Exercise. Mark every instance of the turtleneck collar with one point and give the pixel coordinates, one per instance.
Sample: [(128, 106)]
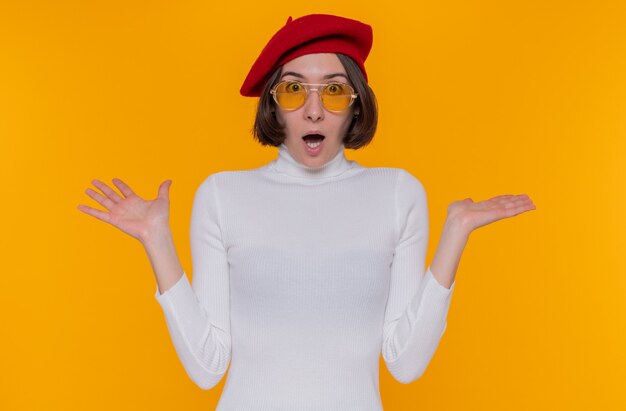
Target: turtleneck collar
[(285, 163)]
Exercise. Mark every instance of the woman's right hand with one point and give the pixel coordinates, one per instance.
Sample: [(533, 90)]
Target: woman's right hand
[(133, 215)]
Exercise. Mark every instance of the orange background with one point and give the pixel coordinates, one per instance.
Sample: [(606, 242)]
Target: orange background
[(477, 99)]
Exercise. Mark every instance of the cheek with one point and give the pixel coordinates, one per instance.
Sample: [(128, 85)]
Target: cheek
[(346, 122), (279, 118)]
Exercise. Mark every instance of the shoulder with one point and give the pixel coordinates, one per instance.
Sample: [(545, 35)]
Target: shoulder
[(222, 184), (410, 191), (224, 179), (406, 180), (399, 177)]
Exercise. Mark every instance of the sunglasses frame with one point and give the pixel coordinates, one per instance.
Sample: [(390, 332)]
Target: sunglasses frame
[(314, 86)]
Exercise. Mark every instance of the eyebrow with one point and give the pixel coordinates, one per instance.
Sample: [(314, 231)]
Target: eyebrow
[(291, 73)]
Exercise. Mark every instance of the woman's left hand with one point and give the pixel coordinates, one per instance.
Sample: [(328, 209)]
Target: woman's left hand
[(472, 215)]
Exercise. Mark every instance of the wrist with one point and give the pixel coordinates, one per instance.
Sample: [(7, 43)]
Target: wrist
[(457, 226), (157, 237)]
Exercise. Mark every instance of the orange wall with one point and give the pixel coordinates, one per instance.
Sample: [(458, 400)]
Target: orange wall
[(477, 99)]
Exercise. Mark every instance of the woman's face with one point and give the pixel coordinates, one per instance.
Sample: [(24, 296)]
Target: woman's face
[(312, 117)]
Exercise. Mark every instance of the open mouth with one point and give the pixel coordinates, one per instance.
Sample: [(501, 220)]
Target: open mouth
[(313, 140)]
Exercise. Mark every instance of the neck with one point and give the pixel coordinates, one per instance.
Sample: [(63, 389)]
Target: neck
[(287, 164)]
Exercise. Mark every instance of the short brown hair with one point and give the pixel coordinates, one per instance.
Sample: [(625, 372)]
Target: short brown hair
[(269, 132)]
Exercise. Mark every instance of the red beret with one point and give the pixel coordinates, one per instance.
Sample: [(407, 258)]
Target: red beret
[(314, 33)]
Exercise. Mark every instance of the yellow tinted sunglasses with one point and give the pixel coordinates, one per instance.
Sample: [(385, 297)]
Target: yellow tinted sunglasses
[(291, 95)]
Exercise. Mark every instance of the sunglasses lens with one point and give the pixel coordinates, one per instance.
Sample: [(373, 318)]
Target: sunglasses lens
[(337, 97), (290, 95)]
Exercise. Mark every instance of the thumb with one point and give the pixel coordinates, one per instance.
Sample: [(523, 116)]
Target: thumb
[(164, 189)]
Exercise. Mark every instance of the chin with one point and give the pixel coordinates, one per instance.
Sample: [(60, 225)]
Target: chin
[(316, 162)]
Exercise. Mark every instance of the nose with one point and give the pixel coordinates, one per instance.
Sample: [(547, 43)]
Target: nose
[(313, 109)]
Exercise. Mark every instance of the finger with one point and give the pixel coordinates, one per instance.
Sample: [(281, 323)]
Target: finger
[(164, 189), (510, 197), (99, 214), (107, 190), (529, 205), (523, 208), (102, 200), (519, 207), (501, 199), (123, 187), (526, 202), (523, 202)]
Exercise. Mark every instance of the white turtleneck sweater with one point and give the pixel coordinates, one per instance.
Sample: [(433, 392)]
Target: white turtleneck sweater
[(302, 278)]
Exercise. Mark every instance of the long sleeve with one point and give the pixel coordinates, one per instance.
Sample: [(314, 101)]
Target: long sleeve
[(198, 315), (417, 305)]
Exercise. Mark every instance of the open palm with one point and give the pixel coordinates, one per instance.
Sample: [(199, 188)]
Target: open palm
[(477, 214), (131, 213)]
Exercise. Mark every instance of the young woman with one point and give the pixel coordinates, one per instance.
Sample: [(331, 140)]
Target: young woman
[(307, 269)]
